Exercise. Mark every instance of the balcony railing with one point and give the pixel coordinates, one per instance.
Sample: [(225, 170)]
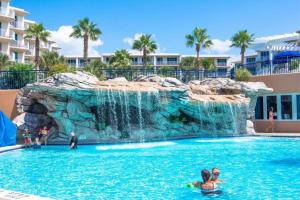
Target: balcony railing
[(4, 33), (16, 24), (18, 44), (6, 12), (272, 67)]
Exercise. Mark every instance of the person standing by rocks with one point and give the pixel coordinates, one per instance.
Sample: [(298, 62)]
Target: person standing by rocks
[(73, 141)]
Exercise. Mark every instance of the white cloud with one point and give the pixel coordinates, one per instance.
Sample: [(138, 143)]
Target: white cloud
[(219, 46), (130, 40), (274, 37), (72, 46)]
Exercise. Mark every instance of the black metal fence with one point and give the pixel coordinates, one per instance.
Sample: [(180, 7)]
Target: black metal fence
[(18, 79), (183, 75)]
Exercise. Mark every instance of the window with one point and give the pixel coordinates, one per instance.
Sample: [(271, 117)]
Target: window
[(16, 57), (72, 62), (159, 59), (298, 106), (272, 104), (259, 108), (286, 107), (16, 37), (264, 55), (250, 60), (16, 18), (222, 62), (172, 59)]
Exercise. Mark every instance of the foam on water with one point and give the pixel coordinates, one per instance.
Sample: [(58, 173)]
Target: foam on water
[(134, 145), (233, 140)]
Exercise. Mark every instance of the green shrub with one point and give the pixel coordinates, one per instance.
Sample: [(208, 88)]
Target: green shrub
[(59, 68), (242, 74), (95, 68), (19, 67), (294, 64)]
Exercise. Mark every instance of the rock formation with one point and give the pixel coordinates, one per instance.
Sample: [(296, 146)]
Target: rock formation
[(149, 108)]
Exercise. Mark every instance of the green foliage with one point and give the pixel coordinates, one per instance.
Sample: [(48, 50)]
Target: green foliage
[(51, 58), (187, 63), (59, 68), (95, 68), (146, 45), (242, 39), (86, 28), (120, 59), (208, 64), (3, 60), (200, 39), (294, 64), (242, 74), (37, 31), (19, 67)]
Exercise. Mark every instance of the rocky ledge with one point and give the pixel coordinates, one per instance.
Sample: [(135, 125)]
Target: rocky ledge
[(148, 108)]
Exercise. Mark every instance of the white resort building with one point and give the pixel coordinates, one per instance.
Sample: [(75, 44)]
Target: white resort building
[(12, 30), (155, 59)]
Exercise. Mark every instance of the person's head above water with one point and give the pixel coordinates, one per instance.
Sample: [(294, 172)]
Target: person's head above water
[(72, 133), (205, 175), (215, 173)]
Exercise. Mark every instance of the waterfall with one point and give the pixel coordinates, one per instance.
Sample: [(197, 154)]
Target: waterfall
[(140, 114), (127, 112)]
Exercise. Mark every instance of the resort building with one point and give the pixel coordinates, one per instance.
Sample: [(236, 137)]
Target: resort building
[(155, 59), (277, 64), (12, 30)]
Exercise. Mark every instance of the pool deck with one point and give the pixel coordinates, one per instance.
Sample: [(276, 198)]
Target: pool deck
[(278, 134), (10, 148), (11, 195)]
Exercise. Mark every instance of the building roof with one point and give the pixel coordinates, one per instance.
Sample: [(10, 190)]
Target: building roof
[(285, 42)]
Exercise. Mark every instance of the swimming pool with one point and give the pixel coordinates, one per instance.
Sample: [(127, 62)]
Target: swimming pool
[(252, 167)]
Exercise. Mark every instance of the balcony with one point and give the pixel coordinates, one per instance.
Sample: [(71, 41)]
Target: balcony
[(18, 45), (4, 36), (17, 25), (13, 59), (6, 14)]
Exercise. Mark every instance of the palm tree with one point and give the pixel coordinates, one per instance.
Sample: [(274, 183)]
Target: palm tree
[(146, 45), (38, 33), (243, 40), (199, 39), (88, 31), (121, 58), (51, 58), (3, 60)]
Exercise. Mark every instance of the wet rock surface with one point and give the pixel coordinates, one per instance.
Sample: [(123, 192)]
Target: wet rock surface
[(150, 108)]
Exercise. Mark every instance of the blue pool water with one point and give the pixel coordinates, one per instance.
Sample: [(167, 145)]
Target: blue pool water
[(253, 168)]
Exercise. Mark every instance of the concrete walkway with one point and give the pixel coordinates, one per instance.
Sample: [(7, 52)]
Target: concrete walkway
[(10, 148), (10, 195), (278, 134)]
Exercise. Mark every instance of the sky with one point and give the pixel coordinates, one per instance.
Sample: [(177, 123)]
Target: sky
[(122, 21)]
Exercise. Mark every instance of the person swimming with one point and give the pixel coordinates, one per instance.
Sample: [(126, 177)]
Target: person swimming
[(215, 175), (207, 186)]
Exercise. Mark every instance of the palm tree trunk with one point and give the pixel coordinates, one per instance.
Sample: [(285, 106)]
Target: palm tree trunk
[(37, 54), (242, 56), (85, 48), (144, 58), (197, 58)]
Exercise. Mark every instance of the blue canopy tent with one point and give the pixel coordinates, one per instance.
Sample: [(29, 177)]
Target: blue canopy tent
[(8, 131), (285, 57)]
